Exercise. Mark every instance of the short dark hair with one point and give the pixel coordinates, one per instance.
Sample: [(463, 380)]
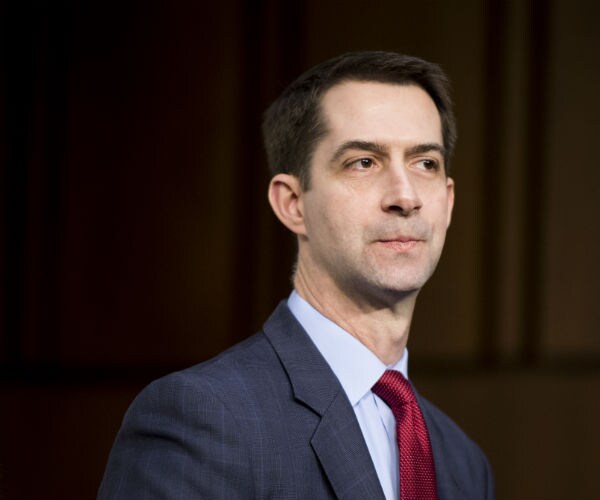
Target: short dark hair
[(293, 125)]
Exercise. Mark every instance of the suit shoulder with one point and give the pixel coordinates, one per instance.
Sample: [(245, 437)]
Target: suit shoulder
[(230, 374), (181, 439)]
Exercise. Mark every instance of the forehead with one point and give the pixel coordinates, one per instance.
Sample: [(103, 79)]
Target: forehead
[(380, 111)]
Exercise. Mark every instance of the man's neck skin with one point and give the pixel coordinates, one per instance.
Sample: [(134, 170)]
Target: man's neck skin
[(382, 329)]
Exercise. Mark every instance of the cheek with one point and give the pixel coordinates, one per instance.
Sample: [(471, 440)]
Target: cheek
[(323, 211), (439, 219), (442, 207), (319, 221), (337, 216)]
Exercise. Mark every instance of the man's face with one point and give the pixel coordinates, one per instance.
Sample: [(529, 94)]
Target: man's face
[(379, 202)]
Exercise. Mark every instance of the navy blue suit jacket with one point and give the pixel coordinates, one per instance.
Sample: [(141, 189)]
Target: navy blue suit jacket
[(267, 419)]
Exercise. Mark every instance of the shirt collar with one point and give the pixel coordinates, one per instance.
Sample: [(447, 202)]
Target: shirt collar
[(356, 367)]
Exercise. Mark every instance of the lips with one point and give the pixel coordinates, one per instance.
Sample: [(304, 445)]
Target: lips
[(389, 237), (400, 243), (400, 239)]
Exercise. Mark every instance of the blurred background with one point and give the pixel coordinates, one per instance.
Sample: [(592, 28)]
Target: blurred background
[(136, 239)]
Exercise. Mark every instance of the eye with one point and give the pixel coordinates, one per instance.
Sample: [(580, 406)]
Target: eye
[(363, 163), (428, 164)]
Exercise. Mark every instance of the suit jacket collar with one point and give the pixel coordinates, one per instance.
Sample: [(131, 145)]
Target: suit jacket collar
[(337, 441)]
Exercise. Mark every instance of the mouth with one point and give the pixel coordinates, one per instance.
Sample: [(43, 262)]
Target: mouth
[(400, 243)]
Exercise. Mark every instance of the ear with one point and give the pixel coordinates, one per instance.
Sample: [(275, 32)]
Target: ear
[(450, 198), (285, 197)]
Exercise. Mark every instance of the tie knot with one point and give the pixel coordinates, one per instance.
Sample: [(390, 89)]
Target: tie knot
[(394, 389)]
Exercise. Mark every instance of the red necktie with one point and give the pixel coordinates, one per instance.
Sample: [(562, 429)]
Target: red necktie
[(417, 472)]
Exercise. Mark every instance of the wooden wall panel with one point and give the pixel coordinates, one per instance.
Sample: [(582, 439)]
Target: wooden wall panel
[(537, 427), (136, 237), (56, 438), (571, 315)]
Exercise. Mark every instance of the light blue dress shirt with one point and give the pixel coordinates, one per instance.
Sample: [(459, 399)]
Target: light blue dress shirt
[(358, 369)]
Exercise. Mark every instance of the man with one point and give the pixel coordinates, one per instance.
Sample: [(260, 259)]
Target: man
[(304, 409)]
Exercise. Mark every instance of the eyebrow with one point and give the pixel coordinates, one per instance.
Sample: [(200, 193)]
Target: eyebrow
[(426, 148), (373, 147), (382, 150)]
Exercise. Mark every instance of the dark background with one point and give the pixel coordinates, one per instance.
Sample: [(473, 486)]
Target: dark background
[(135, 236)]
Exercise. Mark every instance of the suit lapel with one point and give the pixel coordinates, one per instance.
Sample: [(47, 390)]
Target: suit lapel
[(337, 441), (340, 446)]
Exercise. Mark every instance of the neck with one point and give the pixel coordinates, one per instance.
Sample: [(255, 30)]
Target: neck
[(381, 324)]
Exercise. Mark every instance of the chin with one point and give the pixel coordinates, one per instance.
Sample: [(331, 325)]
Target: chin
[(387, 292), (405, 281)]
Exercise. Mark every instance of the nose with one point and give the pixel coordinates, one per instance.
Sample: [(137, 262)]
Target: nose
[(400, 195)]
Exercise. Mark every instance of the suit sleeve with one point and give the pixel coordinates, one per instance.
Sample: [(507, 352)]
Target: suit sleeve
[(178, 441)]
